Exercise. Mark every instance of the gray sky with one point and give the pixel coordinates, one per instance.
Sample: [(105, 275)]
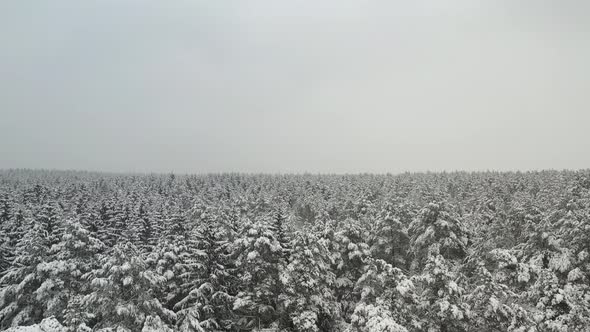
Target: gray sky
[(294, 86)]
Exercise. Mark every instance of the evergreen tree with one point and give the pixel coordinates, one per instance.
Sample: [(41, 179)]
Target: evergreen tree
[(308, 298), (144, 230), (176, 228), (351, 253), (207, 303), (123, 292), (22, 297), (390, 239), (259, 252), (441, 306), (170, 260), (493, 304), (388, 299), (63, 273), (279, 229), (437, 231), (439, 243)]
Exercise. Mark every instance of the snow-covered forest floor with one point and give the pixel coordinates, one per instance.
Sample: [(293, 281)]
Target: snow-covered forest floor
[(410, 252)]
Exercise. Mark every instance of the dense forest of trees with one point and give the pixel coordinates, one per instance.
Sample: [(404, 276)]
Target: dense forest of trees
[(410, 252)]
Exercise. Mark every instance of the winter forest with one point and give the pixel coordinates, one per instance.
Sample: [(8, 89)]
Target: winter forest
[(459, 251)]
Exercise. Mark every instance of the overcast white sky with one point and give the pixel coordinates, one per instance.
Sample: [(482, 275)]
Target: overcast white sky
[(294, 86)]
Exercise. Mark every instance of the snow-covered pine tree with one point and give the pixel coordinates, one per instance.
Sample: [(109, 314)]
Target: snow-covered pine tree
[(170, 259), (6, 245), (92, 222), (64, 273), (375, 318), (144, 228), (439, 242), (388, 299), (158, 216), (389, 240), (493, 304), (176, 227), (258, 255), (5, 208), (349, 265), (123, 292), (23, 285), (154, 323), (36, 195), (558, 266), (307, 280), (437, 231), (121, 223), (441, 306), (11, 232), (6, 253), (207, 301), (130, 231), (279, 227), (176, 256), (106, 221)]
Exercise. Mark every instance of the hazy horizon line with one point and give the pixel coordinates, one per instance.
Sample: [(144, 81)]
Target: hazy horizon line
[(146, 173)]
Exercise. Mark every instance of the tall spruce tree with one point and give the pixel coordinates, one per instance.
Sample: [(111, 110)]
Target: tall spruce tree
[(24, 283), (123, 292)]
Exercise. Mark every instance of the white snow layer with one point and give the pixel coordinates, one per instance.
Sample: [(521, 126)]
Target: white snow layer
[(47, 325)]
